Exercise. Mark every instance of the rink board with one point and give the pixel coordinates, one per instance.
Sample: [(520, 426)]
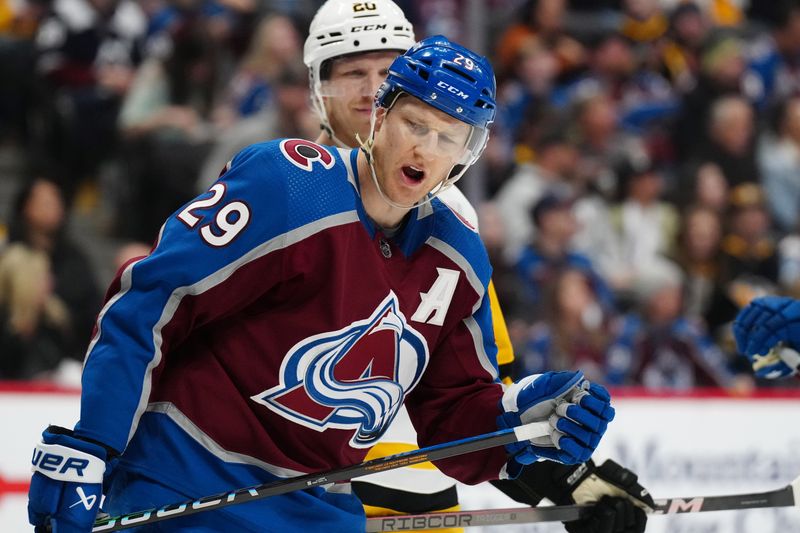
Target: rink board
[(700, 444)]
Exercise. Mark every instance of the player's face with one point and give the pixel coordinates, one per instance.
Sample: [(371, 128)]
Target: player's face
[(349, 92), (415, 148)]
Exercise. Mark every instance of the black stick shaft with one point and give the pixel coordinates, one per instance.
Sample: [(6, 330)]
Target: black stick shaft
[(700, 504)]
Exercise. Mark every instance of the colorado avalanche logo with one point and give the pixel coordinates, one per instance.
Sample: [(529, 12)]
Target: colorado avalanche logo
[(354, 378)]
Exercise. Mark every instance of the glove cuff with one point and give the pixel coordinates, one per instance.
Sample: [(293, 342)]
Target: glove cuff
[(556, 481), (67, 437), (62, 457)]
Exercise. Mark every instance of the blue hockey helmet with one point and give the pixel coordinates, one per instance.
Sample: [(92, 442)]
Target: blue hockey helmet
[(451, 78)]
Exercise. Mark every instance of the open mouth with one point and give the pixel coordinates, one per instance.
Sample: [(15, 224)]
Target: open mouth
[(413, 174)]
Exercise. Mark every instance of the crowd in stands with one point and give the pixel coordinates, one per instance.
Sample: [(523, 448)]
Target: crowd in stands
[(641, 184)]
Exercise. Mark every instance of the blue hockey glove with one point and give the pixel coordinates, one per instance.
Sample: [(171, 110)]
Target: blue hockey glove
[(578, 412), (764, 330), (67, 482)]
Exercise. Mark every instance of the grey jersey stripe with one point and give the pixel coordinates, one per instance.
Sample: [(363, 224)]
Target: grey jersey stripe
[(344, 153), (475, 282), (477, 339), (189, 427), (463, 264)]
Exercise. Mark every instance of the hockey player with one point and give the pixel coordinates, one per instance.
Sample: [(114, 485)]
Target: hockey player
[(767, 331), (348, 51), (283, 318)]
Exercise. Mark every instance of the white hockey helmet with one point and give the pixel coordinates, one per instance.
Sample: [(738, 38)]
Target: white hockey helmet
[(343, 27)]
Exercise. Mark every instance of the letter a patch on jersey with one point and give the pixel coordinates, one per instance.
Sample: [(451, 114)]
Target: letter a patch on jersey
[(354, 378), (435, 303)]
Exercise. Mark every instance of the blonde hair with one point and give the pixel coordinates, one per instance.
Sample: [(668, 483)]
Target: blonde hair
[(25, 291)]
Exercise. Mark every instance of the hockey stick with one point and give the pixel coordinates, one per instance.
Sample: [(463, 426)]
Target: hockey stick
[(786, 497), (307, 481)]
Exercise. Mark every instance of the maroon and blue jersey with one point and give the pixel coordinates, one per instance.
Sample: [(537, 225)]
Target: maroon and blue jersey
[(274, 330)]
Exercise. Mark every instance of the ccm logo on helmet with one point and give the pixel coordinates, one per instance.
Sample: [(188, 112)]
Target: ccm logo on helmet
[(453, 90), (368, 27)]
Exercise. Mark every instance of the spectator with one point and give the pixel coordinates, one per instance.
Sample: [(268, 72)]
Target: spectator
[(748, 248), (35, 327), (527, 90), (88, 51), (657, 347), (722, 73), (506, 281), (774, 54), (219, 18), (789, 270), (543, 19), (287, 115), (550, 253), (274, 49), (643, 21), (19, 22), (642, 97), (573, 332), (779, 164), (602, 145), (679, 53), (555, 163), (166, 122), (644, 223), (39, 221), (698, 254), (730, 145), (749, 263), (596, 237), (710, 189)]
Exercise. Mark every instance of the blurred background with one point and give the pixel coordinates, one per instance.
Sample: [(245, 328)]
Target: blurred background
[(641, 184)]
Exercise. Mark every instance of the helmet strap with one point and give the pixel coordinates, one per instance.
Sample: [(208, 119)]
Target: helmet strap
[(324, 123)]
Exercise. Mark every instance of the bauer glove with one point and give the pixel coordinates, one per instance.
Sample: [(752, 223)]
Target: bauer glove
[(67, 482), (578, 413)]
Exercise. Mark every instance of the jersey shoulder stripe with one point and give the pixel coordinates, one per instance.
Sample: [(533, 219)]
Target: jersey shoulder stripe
[(450, 227)]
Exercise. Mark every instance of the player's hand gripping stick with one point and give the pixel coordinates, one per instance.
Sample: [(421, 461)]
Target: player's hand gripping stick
[(578, 413)]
